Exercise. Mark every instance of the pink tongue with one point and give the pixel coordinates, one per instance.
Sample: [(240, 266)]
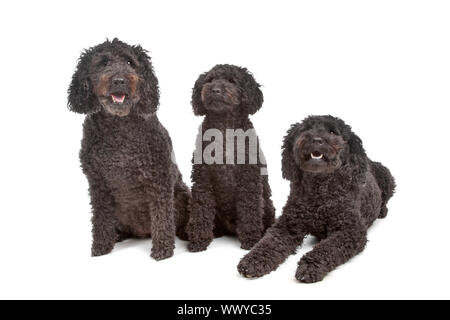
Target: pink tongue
[(118, 98)]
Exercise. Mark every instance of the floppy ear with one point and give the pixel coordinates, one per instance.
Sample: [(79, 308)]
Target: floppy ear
[(289, 168), (148, 85), (355, 145), (252, 97), (357, 154), (80, 96), (196, 102), (356, 151)]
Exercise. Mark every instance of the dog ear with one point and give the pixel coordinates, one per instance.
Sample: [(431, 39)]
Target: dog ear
[(148, 85), (196, 101), (80, 96), (357, 154), (356, 151), (355, 145), (289, 168), (252, 96)]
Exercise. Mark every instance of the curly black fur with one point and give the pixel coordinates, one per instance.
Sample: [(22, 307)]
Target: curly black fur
[(336, 194), (228, 198), (135, 186)]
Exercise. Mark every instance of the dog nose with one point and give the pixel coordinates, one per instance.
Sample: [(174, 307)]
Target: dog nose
[(317, 140), (216, 90), (118, 81)]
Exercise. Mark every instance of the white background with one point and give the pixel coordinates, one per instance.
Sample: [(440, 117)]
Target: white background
[(383, 66)]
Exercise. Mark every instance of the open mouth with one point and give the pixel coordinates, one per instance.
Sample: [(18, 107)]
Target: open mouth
[(118, 98), (316, 155)]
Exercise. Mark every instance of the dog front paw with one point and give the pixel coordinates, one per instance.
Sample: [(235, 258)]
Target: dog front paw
[(198, 246), (161, 253), (252, 266), (310, 272), (248, 243), (101, 249)]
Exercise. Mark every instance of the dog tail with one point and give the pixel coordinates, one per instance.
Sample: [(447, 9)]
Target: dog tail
[(386, 182), (182, 204)]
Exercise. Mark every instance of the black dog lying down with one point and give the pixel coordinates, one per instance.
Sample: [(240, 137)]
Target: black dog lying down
[(337, 192), (136, 189)]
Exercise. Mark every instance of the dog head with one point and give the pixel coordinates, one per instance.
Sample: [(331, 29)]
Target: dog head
[(224, 89), (115, 78), (320, 145)]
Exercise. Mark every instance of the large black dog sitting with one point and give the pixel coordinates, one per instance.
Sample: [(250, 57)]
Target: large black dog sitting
[(336, 194), (136, 189), (228, 197)]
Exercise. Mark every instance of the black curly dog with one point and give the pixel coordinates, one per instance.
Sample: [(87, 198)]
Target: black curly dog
[(229, 198), (136, 189), (336, 194)]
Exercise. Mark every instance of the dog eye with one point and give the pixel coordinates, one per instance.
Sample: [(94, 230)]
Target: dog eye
[(333, 132), (130, 62), (231, 80)]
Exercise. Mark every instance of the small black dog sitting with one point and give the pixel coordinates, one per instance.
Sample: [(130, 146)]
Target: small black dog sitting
[(336, 194), (136, 188), (228, 197)]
